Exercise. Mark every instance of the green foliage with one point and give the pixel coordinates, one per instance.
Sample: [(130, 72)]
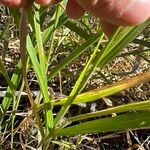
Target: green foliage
[(41, 45), (132, 121)]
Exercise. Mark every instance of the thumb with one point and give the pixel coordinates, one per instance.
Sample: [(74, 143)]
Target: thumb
[(13, 3), (47, 2), (74, 11)]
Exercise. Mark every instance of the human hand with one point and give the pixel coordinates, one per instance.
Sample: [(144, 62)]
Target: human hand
[(24, 3), (111, 12)]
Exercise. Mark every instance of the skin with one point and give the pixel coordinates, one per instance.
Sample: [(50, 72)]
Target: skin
[(23, 3), (110, 12)]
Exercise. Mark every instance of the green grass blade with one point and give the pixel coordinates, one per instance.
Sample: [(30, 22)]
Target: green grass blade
[(74, 54), (42, 81), (119, 123), (121, 41), (47, 33), (77, 29), (38, 34), (105, 53), (79, 84), (56, 16), (108, 90), (144, 105), (6, 76), (16, 78)]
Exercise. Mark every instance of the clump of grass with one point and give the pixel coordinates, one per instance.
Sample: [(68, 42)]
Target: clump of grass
[(39, 49)]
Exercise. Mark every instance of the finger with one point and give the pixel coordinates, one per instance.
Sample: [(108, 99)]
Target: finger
[(120, 12), (12, 3), (47, 2), (108, 28), (74, 11), (124, 12), (17, 3), (107, 10), (43, 2), (137, 12), (87, 4)]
